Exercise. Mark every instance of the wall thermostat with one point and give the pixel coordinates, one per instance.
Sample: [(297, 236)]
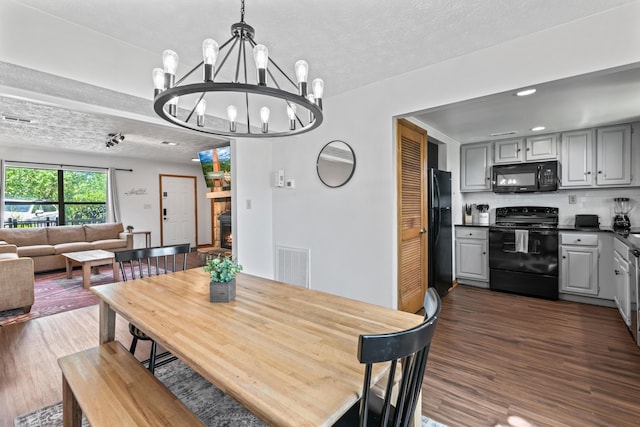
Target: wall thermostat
[(278, 178)]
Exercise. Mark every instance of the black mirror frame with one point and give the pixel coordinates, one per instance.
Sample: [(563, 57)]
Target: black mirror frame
[(353, 168)]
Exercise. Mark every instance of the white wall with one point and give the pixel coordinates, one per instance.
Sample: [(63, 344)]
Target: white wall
[(145, 176), (351, 231), (252, 207)]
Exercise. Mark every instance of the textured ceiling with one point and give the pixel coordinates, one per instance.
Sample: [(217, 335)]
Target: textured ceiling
[(347, 43)]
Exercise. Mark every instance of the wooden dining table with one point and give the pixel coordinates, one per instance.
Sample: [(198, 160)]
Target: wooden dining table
[(286, 353)]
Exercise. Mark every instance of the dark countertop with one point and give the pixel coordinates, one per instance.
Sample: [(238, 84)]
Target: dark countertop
[(632, 238)]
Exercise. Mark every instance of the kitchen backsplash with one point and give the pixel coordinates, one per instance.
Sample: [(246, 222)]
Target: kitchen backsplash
[(593, 201)]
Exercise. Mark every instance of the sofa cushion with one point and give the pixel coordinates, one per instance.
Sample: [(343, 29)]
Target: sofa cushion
[(36, 250), (109, 244), (95, 232), (64, 248), (65, 234), (9, 256), (24, 236)]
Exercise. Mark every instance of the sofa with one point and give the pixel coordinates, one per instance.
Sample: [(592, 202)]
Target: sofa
[(16, 280), (45, 245)]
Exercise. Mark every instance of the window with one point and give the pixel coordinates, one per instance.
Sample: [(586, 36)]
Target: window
[(36, 197)]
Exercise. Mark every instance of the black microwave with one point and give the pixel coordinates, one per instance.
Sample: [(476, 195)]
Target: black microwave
[(525, 177)]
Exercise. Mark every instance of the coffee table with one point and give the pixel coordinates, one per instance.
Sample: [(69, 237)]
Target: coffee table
[(89, 259)]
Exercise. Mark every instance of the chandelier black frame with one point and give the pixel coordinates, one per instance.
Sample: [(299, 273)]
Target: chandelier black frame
[(114, 139), (168, 91)]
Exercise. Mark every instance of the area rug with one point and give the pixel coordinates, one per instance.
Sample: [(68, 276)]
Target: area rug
[(54, 293), (211, 405)]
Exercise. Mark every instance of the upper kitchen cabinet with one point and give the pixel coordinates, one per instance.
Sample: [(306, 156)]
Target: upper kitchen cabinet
[(508, 151), (576, 158), (597, 159), (542, 147), (613, 160), (475, 167)]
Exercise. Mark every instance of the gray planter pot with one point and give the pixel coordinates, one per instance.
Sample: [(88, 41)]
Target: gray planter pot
[(222, 292)]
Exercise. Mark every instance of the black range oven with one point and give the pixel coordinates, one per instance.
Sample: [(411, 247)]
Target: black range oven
[(523, 251)]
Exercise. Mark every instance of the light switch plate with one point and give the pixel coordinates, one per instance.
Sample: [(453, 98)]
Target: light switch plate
[(572, 199)]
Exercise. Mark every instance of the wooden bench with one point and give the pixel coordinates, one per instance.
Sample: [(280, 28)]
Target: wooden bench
[(112, 388)]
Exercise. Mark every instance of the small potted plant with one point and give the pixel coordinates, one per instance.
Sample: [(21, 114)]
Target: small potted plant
[(222, 272), (129, 228)]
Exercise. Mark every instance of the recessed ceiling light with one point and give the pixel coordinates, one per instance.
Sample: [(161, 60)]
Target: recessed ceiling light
[(538, 128), (526, 92), (508, 132), (169, 143)]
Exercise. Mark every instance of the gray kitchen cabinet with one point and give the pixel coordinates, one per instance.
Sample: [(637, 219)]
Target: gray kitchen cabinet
[(541, 147), (475, 167), (472, 256), (613, 159), (597, 159), (508, 151), (576, 157), (622, 280), (579, 264)]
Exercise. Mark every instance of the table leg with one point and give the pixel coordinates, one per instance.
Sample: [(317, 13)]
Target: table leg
[(69, 268), (116, 271), (86, 275), (107, 323), (71, 412)]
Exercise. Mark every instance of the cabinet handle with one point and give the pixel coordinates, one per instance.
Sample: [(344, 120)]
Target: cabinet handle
[(564, 257), (599, 171), (528, 149), (617, 272), (484, 253), (589, 173), (519, 150), (579, 240)]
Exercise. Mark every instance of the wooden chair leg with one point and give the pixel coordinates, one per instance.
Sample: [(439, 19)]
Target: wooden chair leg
[(152, 358)]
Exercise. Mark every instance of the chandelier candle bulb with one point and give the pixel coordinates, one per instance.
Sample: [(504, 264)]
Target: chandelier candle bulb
[(232, 114), (302, 71), (200, 110), (210, 51), (158, 81), (264, 116), (318, 91), (173, 105), (261, 56), (170, 64), (291, 112)]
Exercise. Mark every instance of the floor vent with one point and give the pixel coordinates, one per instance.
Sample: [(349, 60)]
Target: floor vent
[(292, 266)]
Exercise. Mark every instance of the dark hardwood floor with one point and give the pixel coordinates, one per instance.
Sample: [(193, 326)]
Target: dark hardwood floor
[(496, 360), (506, 360)]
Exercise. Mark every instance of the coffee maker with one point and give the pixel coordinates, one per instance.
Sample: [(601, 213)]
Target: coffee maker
[(621, 208)]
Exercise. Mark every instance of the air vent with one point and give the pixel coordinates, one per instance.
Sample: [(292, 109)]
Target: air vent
[(292, 266), (509, 132), (15, 119)]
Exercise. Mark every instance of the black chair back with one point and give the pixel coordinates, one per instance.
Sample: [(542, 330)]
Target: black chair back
[(164, 257), (410, 349)]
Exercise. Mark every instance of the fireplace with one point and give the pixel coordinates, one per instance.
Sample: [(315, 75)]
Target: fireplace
[(226, 239)]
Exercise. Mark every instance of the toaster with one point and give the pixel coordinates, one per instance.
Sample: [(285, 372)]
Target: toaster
[(587, 221)]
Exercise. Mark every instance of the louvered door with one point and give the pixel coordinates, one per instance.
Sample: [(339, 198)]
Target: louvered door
[(412, 234)]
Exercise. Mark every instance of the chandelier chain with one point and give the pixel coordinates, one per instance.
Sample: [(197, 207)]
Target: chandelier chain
[(242, 11)]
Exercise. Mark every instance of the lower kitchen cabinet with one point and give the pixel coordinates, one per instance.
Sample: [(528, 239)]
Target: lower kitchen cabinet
[(472, 256), (579, 264)]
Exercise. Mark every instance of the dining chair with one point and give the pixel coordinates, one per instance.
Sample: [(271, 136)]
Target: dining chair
[(138, 263), (409, 349)]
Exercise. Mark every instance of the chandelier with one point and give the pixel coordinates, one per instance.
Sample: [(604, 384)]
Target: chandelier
[(249, 104)]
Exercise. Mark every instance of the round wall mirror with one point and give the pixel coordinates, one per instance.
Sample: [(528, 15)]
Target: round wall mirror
[(336, 163)]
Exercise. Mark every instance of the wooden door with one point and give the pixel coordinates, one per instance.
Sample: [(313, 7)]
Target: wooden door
[(412, 216), (178, 210)]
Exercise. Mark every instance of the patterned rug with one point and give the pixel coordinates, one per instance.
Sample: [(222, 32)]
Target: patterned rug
[(211, 405), (54, 293)]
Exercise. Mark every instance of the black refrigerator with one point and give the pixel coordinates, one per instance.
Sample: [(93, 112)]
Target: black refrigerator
[(439, 233)]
